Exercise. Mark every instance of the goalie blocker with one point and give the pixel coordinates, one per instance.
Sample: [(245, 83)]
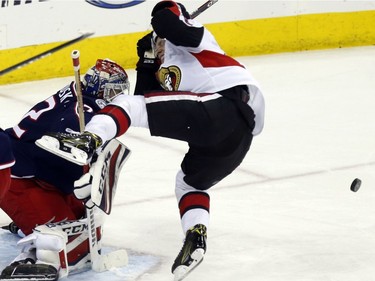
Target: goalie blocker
[(100, 183)]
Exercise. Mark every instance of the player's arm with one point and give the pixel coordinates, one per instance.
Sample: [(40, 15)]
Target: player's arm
[(167, 24), (146, 67)]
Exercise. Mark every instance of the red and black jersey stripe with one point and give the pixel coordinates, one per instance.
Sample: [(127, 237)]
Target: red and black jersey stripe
[(119, 115), (194, 200)]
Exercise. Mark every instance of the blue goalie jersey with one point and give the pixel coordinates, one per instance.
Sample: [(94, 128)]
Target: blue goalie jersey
[(6, 153), (58, 113)]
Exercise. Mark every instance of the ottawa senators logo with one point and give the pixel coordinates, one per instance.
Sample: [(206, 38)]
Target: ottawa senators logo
[(169, 78)]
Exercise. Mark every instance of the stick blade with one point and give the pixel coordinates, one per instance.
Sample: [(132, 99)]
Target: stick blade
[(118, 258)]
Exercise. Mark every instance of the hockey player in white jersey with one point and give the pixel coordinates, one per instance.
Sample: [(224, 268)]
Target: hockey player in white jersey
[(190, 91)]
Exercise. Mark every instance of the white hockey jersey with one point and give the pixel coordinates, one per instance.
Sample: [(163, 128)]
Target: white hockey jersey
[(206, 69)]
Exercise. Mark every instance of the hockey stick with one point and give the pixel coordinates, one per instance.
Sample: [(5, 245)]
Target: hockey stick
[(117, 258), (202, 8), (77, 75), (44, 54), (93, 240)]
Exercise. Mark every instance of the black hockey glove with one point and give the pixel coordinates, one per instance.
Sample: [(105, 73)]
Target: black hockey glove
[(170, 5), (147, 60)]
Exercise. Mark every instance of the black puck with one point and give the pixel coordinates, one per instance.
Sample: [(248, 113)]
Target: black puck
[(356, 184)]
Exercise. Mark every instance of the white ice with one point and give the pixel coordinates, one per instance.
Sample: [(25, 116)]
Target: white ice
[(287, 212)]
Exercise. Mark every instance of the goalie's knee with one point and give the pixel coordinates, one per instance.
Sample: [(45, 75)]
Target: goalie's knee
[(50, 244)]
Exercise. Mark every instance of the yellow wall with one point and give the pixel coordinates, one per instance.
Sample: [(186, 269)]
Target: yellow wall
[(242, 38), (296, 33)]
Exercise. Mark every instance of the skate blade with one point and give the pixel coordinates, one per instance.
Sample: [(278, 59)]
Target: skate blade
[(182, 271), (118, 258), (52, 145)]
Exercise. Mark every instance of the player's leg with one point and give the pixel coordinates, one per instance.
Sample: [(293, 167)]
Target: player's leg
[(30, 203), (203, 167), (194, 208), (5, 182)]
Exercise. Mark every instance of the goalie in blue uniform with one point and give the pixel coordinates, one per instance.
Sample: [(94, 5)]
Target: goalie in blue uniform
[(42, 185)]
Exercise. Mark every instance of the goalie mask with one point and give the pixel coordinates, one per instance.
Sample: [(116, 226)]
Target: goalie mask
[(105, 80)]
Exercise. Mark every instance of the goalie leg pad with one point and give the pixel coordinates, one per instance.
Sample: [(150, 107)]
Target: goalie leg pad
[(77, 247), (50, 247), (43, 256), (63, 246)]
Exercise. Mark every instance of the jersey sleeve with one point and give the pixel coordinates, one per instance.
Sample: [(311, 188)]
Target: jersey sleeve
[(146, 81), (169, 24), (58, 113)]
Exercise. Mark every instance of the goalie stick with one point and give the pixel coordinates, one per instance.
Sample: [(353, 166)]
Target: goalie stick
[(77, 76), (44, 54), (117, 258)]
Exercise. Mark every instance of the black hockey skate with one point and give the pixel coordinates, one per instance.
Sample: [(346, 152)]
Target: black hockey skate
[(29, 272), (76, 148), (25, 268), (12, 227), (192, 252)]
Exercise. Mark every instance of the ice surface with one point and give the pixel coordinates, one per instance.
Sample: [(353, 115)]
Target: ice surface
[(287, 213)]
